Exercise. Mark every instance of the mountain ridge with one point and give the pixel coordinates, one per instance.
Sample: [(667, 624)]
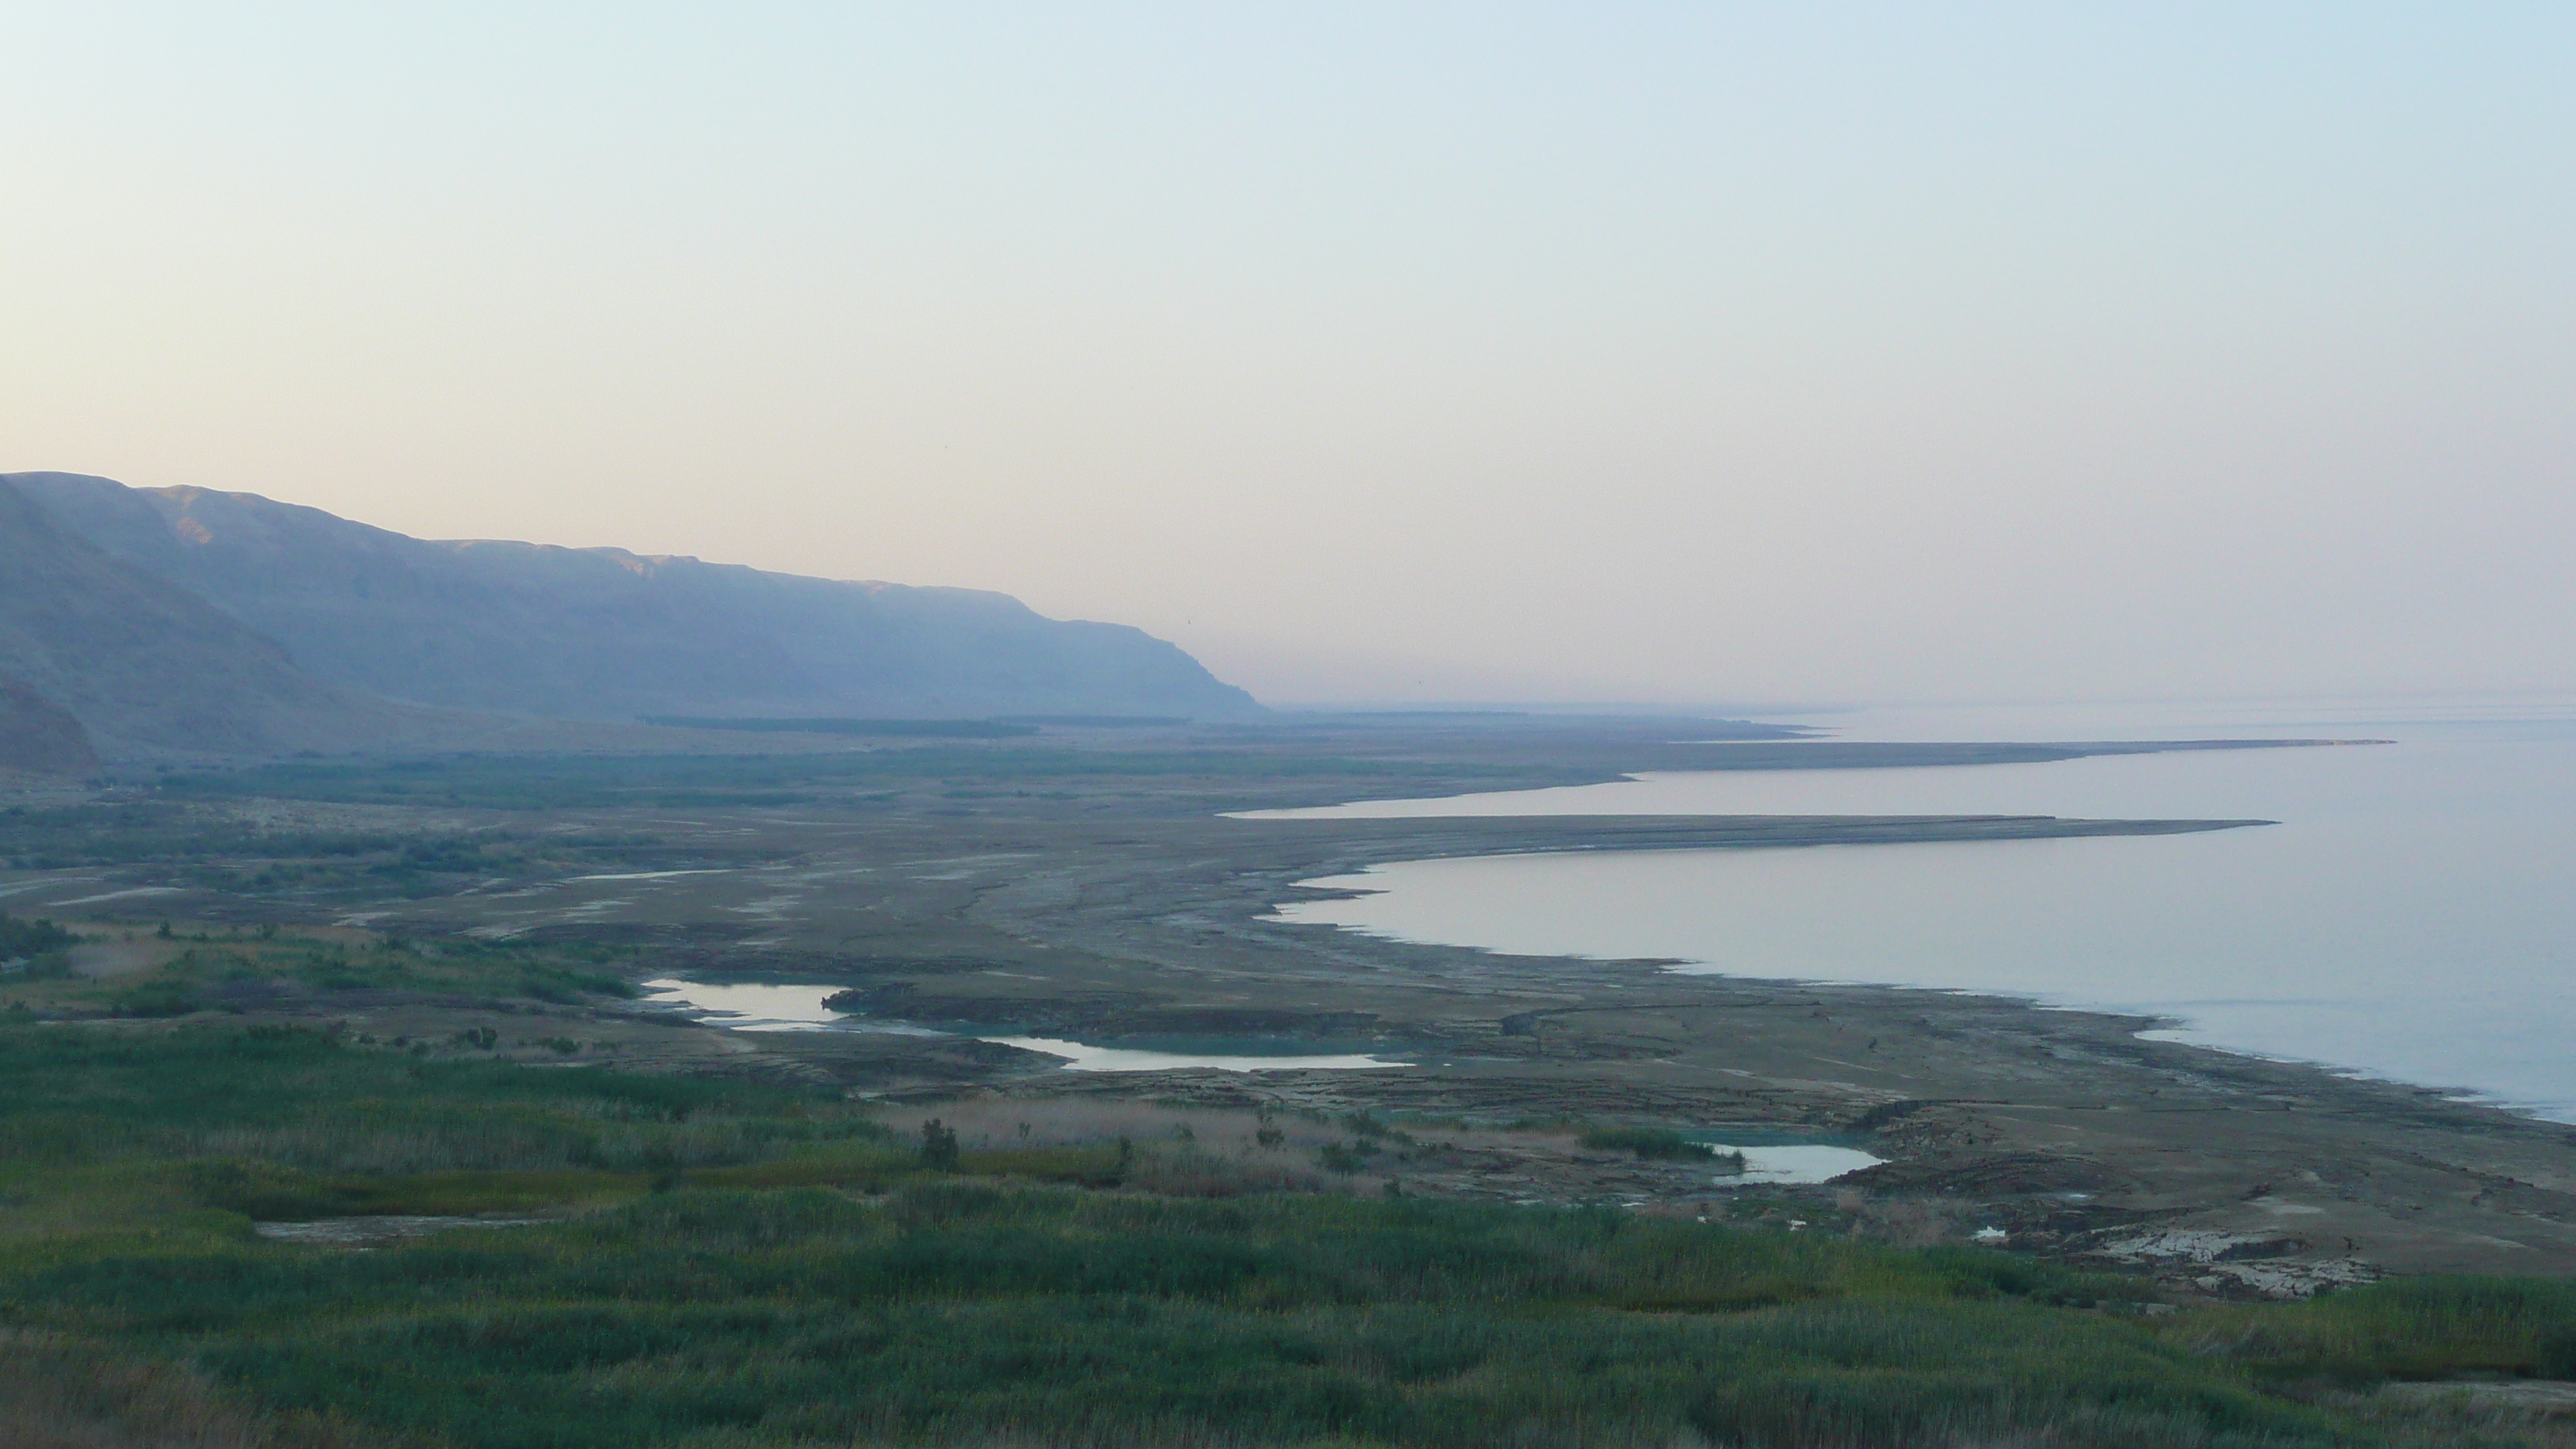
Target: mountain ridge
[(600, 634), (146, 666)]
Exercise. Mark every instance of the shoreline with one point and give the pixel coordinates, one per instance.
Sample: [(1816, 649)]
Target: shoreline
[(1095, 907), (1313, 892)]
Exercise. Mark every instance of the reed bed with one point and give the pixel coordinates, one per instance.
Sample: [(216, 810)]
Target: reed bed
[(733, 1266)]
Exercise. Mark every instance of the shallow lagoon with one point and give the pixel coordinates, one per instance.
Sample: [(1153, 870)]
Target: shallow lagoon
[(772, 1006), (1792, 1163), (2413, 915), (765, 1006), (1082, 1057)]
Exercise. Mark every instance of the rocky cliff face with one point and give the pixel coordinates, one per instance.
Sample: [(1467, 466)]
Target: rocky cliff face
[(601, 633)]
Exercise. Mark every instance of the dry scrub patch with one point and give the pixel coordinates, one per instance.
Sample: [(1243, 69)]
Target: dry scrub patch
[(60, 1393)]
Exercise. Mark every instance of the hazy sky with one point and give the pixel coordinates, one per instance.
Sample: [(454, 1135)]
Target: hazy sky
[(1652, 352)]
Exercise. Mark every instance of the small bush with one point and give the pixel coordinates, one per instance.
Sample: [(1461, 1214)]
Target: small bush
[(1345, 1157), (938, 1146)]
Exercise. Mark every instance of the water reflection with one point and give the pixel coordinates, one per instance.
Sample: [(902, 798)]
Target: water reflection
[(780, 1006), (766, 1006), (2414, 916), (1080, 1057), (1811, 1163)]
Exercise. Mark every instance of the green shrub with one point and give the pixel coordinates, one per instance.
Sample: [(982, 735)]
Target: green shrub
[(1345, 1157), (938, 1146), (51, 966), (2409, 1328), (154, 999), (799, 1279), (21, 939), (1647, 1142)]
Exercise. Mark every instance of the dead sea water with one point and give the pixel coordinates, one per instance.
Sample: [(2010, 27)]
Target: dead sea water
[(2413, 914)]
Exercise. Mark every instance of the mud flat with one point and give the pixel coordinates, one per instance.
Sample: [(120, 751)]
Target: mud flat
[(1114, 908)]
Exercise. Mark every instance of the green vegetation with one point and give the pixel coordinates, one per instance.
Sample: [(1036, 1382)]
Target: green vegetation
[(23, 939), (518, 782), (137, 832), (1654, 1142), (233, 969), (208, 845), (732, 1264), (2424, 1328), (550, 973)]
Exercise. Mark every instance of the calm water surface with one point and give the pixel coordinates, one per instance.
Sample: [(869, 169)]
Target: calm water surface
[(2412, 916), (1800, 1163), (1083, 1057), (776, 1006), (766, 1006)]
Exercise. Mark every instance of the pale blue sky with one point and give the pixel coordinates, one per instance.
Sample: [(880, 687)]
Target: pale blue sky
[(1650, 352)]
